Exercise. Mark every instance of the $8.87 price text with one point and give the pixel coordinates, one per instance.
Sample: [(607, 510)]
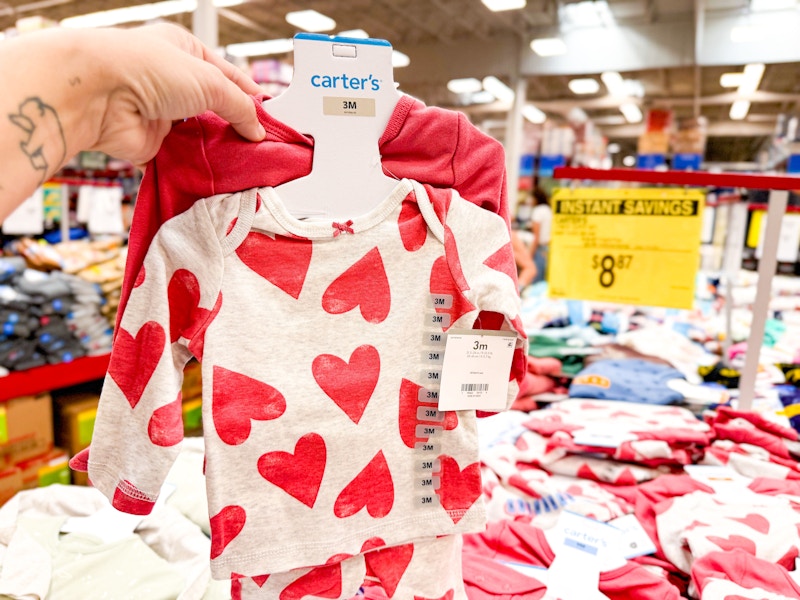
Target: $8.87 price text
[(608, 264)]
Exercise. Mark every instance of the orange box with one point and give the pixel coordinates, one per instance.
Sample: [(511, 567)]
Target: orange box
[(10, 483), (26, 428), (74, 417), (48, 468)]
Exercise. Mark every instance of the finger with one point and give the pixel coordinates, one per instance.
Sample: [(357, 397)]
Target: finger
[(231, 103), (232, 72)]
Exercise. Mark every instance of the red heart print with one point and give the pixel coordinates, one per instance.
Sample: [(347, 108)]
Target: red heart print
[(503, 261), (134, 359), (139, 278), (460, 489), (372, 488), (694, 524), (320, 582), (299, 474), (185, 313), (732, 542), (412, 225), (754, 521), (260, 579), (197, 341), (447, 596), (283, 261), (442, 282), (237, 399), (450, 420), (389, 565), (454, 260), (349, 384), (365, 285), (166, 424), (407, 417), (225, 526)]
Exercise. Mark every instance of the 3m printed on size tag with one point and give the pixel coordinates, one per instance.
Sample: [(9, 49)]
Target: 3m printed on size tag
[(348, 107), (475, 370)]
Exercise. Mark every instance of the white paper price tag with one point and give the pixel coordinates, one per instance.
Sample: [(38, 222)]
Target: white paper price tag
[(28, 218), (635, 541), (475, 370)]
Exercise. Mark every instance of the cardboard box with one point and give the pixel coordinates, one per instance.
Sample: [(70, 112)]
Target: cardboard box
[(74, 420), (79, 478), (10, 483), (46, 469), (26, 428)]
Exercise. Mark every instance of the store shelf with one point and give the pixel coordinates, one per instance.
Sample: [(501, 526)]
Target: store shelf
[(51, 377), (698, 178)]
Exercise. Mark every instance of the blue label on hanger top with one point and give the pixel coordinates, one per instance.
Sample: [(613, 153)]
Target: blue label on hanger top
[(321, 37)]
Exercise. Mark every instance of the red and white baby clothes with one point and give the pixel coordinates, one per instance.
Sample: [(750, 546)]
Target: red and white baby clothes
[(311, 337)]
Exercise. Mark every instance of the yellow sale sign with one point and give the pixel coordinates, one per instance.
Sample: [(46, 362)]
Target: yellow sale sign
[(633, 246)]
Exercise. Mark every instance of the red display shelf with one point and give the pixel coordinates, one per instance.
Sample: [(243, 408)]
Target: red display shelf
[(698, 178), (52, 377)]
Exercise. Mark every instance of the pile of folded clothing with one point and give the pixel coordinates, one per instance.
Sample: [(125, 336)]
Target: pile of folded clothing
[(37, 316)]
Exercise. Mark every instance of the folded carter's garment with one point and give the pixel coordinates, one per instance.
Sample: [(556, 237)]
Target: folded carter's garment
[(629, 379), (740, 575), (694, 525), (747, 427), (626, 431), (517, 542)]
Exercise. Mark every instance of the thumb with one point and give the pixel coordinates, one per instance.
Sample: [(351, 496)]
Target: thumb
[(226, 99)]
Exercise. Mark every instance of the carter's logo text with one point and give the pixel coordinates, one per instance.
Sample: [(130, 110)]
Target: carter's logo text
[(346, 82)]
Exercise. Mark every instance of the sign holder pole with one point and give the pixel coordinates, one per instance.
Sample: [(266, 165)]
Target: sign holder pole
[(780, 186)]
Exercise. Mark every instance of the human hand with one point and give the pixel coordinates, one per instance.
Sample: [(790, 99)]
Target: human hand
[(162, 73)]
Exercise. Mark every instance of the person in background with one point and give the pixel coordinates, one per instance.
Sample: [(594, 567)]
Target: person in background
[(113, 90), (526, 269), (541, 223)]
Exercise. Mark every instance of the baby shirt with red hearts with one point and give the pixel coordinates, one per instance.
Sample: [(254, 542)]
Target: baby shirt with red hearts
[(312, 338)]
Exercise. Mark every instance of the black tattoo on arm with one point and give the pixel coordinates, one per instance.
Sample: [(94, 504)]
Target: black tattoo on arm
[(45, 144), (75, 81)]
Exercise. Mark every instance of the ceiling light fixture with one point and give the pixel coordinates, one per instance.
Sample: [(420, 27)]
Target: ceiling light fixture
[(310, 20), (263, 48), (467, 85), (533, 114), (549, 46), (501, 5), (358, 34), (739, 110), (588, 13), (614, 83), (481, 97), (584, 86), (751, 78), (399, 59), (731, 80), (139, 13), (498, 89), (631, 112)]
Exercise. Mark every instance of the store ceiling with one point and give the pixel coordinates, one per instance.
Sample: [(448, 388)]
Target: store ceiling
[(662, 43)]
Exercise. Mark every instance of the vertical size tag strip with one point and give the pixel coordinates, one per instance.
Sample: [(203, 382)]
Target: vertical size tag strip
[(430, 420)]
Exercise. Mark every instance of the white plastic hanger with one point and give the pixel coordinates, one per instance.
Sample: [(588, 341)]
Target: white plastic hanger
[(342, 94)]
